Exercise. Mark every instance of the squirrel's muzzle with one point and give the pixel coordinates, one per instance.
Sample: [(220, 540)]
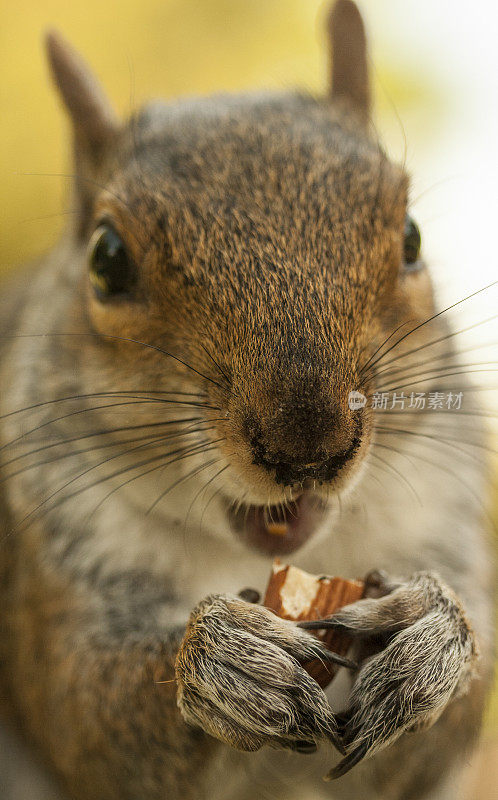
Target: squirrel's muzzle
[(303, 434)]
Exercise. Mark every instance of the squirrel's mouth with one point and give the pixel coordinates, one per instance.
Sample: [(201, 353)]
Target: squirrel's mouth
[(278, 529)]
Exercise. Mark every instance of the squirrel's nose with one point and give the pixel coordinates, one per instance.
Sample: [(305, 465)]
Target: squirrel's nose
[(298, 443), (288, 471)]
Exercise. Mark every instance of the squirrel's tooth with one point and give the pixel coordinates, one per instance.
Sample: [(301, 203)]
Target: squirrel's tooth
[(277, 528)]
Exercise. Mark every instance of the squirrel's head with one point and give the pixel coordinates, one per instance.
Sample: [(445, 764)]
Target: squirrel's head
[(263, 241)]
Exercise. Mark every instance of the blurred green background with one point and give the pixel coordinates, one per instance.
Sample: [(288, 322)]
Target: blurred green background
[(150, 48)]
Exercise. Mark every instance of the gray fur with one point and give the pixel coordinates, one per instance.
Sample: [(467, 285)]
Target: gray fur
[(267, 231)]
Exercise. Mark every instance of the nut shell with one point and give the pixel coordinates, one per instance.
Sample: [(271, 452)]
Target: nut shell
[(296, 595)]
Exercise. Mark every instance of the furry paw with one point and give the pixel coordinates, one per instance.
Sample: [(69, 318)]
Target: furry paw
[(240, 678), (428, 655)]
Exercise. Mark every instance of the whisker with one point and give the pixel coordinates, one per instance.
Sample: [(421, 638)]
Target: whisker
[(399, 475), (435, 377), (451, 360), (154, 347), (137, 477), (183, 451), (430, 319), (216, 493), (440, 440), (101, 432), (179, 481), (247, 513), (41, 217), (444, 468), (97, 408), (403, 372), (237, 503), (365, 365), (442, 419), (452, 411), (77, 177), (150, 470), (92, 182), (436, 185), (466, 436), (202, 490), (221, 371), (438, 341), (154, 441), (132, 393)]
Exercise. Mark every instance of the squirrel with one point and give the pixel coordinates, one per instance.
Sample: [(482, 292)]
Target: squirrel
[(175, 380)]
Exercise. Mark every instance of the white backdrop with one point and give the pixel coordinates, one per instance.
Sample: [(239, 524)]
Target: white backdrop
[(452, 148)]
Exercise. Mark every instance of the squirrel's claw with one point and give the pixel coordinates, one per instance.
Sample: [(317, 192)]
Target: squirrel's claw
[(351, 760), (304, 747), (319, 624), (341, 661)]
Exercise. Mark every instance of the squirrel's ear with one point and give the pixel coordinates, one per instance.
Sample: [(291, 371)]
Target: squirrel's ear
[(92, 115), (349, 67), (95, 125)]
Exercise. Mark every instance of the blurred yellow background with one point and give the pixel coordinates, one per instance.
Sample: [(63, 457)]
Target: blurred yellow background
[(140, 50), (149, 48)]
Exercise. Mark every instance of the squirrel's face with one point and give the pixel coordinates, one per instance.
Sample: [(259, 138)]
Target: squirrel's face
[(262, 242)]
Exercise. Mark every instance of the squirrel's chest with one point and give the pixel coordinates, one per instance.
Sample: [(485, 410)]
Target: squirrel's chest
[(200, 560), (221, 563)]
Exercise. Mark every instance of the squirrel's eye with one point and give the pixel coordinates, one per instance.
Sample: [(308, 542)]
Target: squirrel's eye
[(111, 270), (412, 243)]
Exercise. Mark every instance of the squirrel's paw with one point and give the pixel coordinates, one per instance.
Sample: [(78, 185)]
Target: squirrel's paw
[(240, 679), (428, 655)]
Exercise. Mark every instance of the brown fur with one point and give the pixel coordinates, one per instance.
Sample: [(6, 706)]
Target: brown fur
[(267, 236)]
